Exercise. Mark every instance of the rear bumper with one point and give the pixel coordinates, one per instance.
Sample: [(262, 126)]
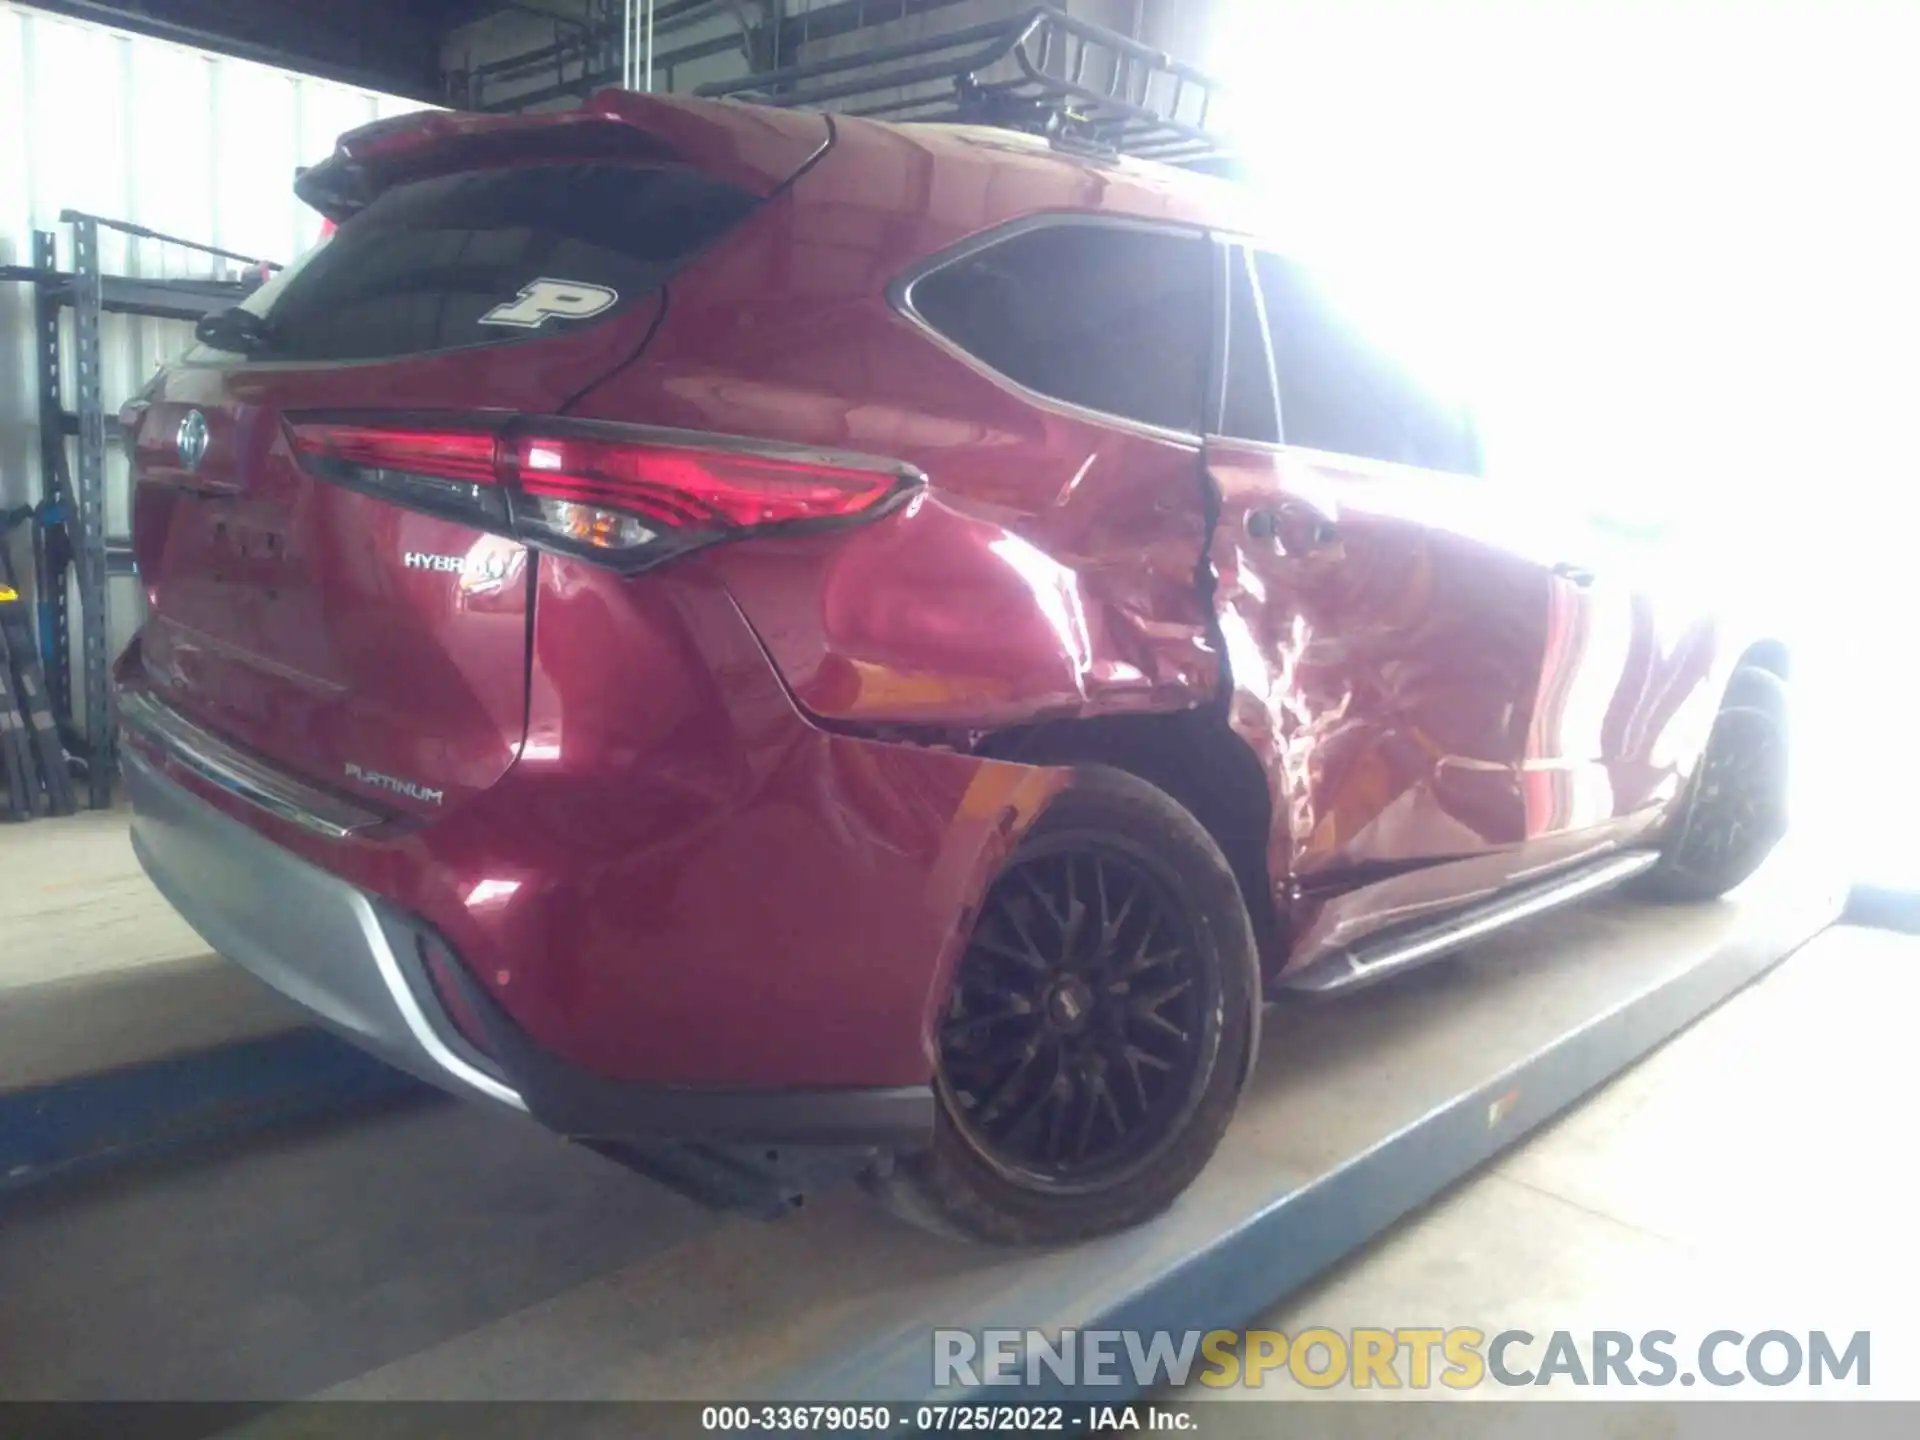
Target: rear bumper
[(679, 882), (355, 963)]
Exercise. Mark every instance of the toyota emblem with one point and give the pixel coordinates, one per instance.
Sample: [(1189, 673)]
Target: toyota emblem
[(191, 440)]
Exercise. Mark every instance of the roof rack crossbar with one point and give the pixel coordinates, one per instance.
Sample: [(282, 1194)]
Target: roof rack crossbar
[(996, 39), (1045, 72)]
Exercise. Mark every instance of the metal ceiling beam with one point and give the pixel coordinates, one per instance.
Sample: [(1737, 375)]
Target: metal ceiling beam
[(360, 42), (667, 17), (829, 22), (774, 41), (593, 80)]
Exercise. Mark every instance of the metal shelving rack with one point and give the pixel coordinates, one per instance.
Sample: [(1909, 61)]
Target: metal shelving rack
[(71, 510)]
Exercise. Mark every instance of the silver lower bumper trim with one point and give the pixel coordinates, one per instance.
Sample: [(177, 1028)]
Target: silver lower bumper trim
[(318, 940)]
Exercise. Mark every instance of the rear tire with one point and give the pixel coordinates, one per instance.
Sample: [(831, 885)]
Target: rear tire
[(1102, 1023), (1736, 808)]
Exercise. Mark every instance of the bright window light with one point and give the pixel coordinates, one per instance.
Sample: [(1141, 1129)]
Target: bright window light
[(1675, 251)]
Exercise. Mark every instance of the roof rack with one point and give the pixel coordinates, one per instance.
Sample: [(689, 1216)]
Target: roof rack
[(1082, 86)]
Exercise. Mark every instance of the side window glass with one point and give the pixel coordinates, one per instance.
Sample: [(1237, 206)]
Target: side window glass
[(1250, 411), (1109, 318), (1340, 391)]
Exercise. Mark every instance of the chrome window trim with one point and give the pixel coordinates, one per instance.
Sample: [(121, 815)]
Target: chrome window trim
[(219, 763), (900, 296), (1250, 249)]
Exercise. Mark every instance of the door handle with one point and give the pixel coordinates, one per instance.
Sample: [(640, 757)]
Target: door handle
[(1295, 529), (1574, 574)]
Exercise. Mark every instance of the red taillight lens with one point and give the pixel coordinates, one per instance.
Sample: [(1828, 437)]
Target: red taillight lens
[(684, 487), (624, 495), (442, 454)]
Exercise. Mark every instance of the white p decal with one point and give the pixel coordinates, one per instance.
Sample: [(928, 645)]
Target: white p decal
[(545, 300)]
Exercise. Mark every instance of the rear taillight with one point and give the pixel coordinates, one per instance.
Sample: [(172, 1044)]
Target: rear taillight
[(628, 496)]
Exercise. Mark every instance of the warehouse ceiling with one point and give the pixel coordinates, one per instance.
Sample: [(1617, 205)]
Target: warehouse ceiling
[(389, 45), (431, 49)]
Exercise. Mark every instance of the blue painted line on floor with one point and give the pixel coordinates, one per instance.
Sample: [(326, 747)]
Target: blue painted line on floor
[(1885, 907), (92, 1121)]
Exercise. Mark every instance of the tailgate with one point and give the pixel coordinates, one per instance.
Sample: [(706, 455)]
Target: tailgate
[(372, 635)]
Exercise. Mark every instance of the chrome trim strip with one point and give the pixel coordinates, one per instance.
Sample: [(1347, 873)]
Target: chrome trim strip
[(238, 773), (1448, 935), (408, 1004)]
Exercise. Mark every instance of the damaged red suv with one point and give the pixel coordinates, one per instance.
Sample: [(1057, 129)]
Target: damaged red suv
[(733, 625)]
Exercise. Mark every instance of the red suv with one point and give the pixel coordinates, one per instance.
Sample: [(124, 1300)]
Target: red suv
[(737, 624)]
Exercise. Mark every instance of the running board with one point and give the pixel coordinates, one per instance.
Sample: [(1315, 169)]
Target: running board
[(1374, 960)]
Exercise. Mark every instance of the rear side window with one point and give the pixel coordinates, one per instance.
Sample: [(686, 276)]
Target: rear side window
[(1101, 316), (484, 256), (1342, 392)]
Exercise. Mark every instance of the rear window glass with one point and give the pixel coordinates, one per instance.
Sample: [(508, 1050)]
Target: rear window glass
[(485, 256), (1107, 317)]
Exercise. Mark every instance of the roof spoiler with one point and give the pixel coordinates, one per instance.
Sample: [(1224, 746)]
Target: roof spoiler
[(759, 151)]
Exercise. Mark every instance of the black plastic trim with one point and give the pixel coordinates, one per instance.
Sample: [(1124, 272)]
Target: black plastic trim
[(584, 1106)]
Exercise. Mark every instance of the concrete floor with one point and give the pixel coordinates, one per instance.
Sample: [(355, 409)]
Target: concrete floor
[(1748, 1176), (76, 903), (96, 970), (283, 1267), (441, 1245), (1754, 1174)]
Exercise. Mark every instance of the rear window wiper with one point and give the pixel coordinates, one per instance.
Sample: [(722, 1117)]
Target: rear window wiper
[(235, 329)]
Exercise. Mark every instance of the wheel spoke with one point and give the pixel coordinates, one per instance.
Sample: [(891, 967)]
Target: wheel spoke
[(1007, 952), (1061, 1094), (1082, 967), (1035, 958), (1076, 911), (1037, 1104), (1110, 931), (1095, 1088), (1154, 1020), (1135, 1058), (962, 1029), (991, 1059), (1150, 1004), (1112, 1106), (1005, 1090), (1039, 893), (1142, 962)]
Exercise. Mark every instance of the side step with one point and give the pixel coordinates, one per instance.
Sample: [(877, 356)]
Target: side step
[(1376, 958)]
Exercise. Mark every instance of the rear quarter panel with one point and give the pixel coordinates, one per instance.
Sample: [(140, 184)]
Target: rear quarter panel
[(1050, 569)]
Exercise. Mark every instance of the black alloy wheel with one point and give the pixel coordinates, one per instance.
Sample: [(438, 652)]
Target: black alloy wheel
[(1737, 802), (1100, 1026), (1079, 1018), (1740, 805)]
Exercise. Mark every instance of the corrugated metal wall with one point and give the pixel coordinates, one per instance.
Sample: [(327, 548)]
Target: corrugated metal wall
[(178, 140)]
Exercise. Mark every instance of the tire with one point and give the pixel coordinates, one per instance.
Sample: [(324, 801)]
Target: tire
[(1128, 1114), (1736, 807)]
